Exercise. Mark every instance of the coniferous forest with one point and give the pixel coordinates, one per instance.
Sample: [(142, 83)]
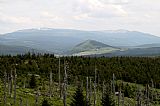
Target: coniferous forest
[(47, 80)]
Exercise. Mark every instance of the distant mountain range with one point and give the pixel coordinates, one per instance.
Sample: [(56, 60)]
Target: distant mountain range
[(77, 42), (14, 50)]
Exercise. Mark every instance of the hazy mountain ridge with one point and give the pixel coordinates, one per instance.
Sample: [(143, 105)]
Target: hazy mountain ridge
[(61, 41), (14, 50), (153, 51)]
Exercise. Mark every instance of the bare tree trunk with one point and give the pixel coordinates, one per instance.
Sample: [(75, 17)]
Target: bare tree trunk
[(21, 101), (95, 96), (8, 80), (27, 102), (15, 75), (65, 86), (153, 90), (5, 83), (82, 84), (135, 94), (59, 77), (139, 97), (122, 99), (148, 95), (87, 100), (90, 90), (119, 95), (50, 84), (36, 100), (24, 83), (113, 82), (11, 83), (111, 85), (103, 90)]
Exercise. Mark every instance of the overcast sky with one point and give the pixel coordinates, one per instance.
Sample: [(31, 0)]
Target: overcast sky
[(140, 15)]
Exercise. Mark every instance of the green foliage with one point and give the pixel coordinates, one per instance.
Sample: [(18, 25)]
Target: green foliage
[(129, 91), (45, 103), (32, 82), (78, 98), (107, 99)]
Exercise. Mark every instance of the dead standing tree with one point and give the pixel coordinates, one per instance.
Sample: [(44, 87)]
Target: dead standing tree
[(87, 93), (21, 101), (113, 87), (50, 84), (5, 83), (59, 78), (95, 78), (36, 98), (65, 85), (10, 87), (90, 90), (14, 78)]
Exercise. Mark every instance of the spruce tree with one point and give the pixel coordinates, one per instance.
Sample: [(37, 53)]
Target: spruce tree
[(78, 98), (32, 82), (107, 100), (45, 103)]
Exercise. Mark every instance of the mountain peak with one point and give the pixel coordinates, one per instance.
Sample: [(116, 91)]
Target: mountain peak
[(91, 44)]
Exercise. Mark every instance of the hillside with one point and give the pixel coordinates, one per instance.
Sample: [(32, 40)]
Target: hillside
[(37, 80), (90, 47), (60, 41), (148, 45), (153, 51), (14, 50)]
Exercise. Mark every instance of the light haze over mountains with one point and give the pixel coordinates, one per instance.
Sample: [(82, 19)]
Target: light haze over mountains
[(65, 41)]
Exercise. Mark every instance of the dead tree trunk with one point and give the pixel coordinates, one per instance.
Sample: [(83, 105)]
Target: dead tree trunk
[(24, 83), (27, 102), (21, 102), (15, 75), (5, 83), (119, 98), (87, 100), (36, 100), (50, 84), (103, 90), (113, 82), (153, 90), (90, 90), (59, 78), (148, 95), (95, 96), (122, 99), (8, 80), (11, 83), (65, 86), (139, 97)]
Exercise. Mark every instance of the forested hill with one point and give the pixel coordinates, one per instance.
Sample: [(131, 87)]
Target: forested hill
[(14, 50), (45, 80), (131, 69)]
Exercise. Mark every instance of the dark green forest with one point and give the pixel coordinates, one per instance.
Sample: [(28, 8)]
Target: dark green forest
[(34, 71), (131, 69)]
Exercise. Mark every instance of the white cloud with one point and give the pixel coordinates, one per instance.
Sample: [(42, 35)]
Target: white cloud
[(14, 19), (140, 15)]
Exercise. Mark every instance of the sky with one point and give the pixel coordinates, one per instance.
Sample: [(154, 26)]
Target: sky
[(137, 15)]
